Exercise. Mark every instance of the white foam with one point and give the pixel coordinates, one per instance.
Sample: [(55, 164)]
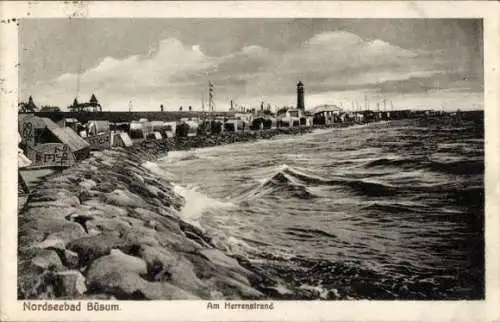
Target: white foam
[(197, 203), (323, 293), (156, 169), (174, 156)]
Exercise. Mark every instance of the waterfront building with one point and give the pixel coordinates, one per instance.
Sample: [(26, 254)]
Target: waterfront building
[(91, 106), (289, 117), (326, 114), (234, 125), (29, 107)]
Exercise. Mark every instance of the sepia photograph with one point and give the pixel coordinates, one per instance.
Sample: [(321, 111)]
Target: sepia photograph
[(249, 161), (251, 158)]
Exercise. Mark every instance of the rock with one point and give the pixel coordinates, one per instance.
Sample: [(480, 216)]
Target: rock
[(88, 184), (39, 229), (106, 225), (93, 247), (152, 190), (162, 223), (142, 236), (120, 284), (124, 198), (58, 197), (138, 177), (112, 211), (166, 291), (133, 222), (70, 259), (166, 265), (118, 274), (116, 261), (46, 259), (70, 283), (47, 211), (219, 258), (51, 242)]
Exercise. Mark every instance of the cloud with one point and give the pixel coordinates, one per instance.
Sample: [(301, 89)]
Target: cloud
[(175, 74)]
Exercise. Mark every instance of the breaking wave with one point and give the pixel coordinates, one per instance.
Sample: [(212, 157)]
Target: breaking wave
[(379, 211)]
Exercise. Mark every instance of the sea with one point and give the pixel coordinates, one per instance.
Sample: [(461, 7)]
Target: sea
[(387, 210)]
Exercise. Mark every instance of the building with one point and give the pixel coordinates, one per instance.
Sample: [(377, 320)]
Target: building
[(288, 117), (29, 107), (326, 114), (50, 109), (300, 96), (48, 145), (91, 106)]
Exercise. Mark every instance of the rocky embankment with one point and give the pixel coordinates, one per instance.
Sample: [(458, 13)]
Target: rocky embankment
[(186, 143), (109, 228)]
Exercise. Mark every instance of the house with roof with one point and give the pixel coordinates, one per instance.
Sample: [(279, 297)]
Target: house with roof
[(290, 117), (91, 106), (326, 114), (48, 145), (29, 107)]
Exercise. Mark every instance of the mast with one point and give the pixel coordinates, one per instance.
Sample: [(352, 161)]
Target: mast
[(211, 95), (202, 102)]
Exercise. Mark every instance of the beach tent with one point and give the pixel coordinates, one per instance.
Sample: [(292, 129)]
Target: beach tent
[(170, 128), (155, 135), (97, 127), (157, 126), (121, 140), (137, 130), (72, 123), (193, 128)]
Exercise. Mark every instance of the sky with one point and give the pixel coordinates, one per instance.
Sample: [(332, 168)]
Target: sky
[(144, 62)]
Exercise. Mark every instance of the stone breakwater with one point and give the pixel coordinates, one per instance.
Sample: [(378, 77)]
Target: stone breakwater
[(109, 228), (186, 143)]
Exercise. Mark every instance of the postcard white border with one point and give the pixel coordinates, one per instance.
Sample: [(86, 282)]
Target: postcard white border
[(11, 309)]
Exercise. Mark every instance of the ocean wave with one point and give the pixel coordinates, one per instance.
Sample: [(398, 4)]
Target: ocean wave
[(465, 167), (396, 207), (402, 162), (196, 204), (285, 180), (309, 232)]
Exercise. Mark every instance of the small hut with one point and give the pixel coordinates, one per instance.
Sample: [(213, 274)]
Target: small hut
[(48, 145)]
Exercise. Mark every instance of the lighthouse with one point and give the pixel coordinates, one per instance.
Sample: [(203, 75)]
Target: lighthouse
[(300, 96)]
